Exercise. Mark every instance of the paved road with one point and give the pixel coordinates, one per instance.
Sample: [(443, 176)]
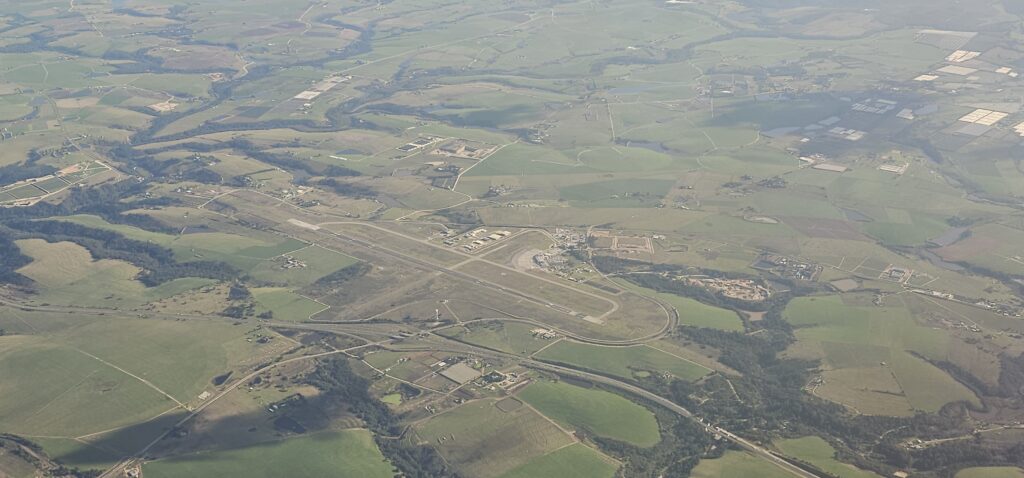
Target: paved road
[(360, 328), (340, 328), (118, 469), (678, 409), (664, 402)]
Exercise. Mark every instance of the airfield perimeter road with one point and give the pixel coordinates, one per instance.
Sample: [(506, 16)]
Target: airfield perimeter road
[(314, 229), (670, 316), (471, 258), (363, 328)]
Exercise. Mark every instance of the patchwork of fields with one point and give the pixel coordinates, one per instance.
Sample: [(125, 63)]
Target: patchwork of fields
[(511, 239)]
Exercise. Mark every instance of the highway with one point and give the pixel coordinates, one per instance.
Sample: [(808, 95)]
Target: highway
[(462, 347), (674, 407), (355, 329)]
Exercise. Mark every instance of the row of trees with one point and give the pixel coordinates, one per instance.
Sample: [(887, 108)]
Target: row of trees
[(11, 260), (104, 201), (179, 169), (333, 281), (13, 173), (34, 455), (158, 263)]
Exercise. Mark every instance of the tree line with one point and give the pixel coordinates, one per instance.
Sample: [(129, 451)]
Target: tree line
[(342, 387), (158, 263), (106, 201), (768, 398)]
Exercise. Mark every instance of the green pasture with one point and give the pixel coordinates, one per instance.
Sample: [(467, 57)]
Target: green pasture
[(479, 439), (692, 312), (245, 252), (512, 337), (285, 304), (76, 454), (618, 193), (344, 454), (879, 338), (55, 390), (737, 464), (178, 357), (991, 472), (622, 361), (573, 460), (595, 411), (819, 453), (68, 274)]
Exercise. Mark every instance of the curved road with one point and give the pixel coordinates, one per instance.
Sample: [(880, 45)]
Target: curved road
[(525, 361), (633, 389)]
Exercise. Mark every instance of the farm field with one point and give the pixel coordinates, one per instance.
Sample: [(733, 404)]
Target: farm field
[(508, 336), (692, 312), (873, 346), (576, 459), (597, 411), (118, 385), (214, 348), (426, 238), (70, 273), (316, 262), (346, 453), (623, 362), (991, 472), (736, 464), (68, 393), (819, 453), (993, 246), (480, 429), (287, 305)]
